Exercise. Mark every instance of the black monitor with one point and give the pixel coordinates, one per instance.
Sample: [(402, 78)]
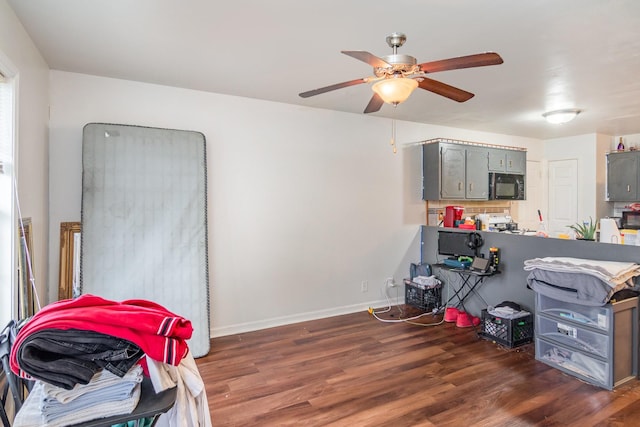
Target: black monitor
[(454, 244)]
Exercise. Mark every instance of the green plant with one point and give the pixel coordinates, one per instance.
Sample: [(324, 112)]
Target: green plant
[(585, 230)]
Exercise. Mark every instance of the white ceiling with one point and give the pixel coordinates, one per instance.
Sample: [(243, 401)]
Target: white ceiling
[(557, 53)]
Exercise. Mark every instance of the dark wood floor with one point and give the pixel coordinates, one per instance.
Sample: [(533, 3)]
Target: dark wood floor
[(354, 370)]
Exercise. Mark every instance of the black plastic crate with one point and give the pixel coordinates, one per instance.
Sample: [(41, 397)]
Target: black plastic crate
[(420, 297), (508, 332)]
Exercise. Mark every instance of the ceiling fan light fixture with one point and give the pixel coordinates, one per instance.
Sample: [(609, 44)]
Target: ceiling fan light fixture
[(395, 90), (561, 116)]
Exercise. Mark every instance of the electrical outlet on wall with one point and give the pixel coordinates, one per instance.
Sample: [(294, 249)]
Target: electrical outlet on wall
[(390, 282), (364, 286)]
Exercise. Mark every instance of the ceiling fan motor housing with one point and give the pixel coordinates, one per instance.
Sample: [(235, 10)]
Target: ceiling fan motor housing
[(396, 40), (404, 64)]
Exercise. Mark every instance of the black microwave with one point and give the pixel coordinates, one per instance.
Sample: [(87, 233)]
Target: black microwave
[(631, 220), (506, 186)]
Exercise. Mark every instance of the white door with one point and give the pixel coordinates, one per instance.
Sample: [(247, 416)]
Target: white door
[(563, 195)]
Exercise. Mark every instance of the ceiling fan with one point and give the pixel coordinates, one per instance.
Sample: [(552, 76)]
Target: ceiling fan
[(396, 76)]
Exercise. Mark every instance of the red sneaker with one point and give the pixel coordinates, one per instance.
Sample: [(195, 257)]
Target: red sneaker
[(451, 314), (464, 320)]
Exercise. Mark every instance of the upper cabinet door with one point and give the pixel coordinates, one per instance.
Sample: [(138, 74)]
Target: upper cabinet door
[(497, 160), (516, 161), (477, 167), (509, 161), (452, 170), (622, 177)]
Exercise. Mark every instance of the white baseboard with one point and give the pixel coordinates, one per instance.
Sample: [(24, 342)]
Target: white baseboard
[(294, 318)]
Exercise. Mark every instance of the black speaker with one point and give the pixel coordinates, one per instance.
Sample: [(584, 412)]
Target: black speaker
[(474, 240)]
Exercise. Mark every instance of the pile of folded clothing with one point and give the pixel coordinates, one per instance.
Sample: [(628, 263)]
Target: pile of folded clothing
[(87, 356), (507, 310), (104, 395), (580, 281)]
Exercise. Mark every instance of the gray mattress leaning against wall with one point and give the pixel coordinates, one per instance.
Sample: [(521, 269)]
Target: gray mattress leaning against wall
[(144, 220)]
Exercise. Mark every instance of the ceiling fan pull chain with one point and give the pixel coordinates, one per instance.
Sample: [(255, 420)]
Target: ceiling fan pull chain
[(393, 135)]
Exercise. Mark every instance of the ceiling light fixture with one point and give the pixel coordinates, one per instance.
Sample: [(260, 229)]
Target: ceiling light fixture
[(561, 116), (395, 89)]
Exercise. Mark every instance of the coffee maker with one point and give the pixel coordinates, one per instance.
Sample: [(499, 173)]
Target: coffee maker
[(453, 216)]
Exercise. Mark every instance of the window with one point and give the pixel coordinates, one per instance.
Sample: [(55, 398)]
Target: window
[(7, 216)]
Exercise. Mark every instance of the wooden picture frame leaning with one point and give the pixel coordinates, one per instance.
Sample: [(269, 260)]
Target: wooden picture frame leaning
[(69, 258)]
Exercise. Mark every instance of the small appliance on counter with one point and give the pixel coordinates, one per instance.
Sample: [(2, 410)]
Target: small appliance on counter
[(631, 219), (501, 223), (453, 214)]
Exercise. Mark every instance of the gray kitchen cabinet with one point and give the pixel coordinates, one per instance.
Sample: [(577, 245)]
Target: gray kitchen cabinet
[(455, 171), (477, 169), (622, 176), (497, 160), (452, 171), (508, 161)]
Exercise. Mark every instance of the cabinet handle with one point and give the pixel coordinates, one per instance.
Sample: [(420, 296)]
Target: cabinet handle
[(501, 162), (471, 186), (459, 186), (628, 188), (510, 165)]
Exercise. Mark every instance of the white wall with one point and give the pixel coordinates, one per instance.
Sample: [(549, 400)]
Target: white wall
[(32, 75), (304, 204), (602, 146)]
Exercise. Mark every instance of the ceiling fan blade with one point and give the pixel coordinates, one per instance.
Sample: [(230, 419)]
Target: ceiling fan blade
[(445, 90), (333, 87), (477, 60), (367, 57), (374, 104)]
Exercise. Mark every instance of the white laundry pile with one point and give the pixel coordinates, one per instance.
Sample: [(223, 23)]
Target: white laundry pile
[(425, 282), (191, 408), (106, 394)]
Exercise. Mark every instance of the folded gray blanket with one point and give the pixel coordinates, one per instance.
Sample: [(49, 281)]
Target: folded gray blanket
[(611, 272), (577, 288)]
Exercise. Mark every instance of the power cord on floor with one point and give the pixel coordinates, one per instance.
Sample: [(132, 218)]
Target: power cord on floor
[(409, 320)]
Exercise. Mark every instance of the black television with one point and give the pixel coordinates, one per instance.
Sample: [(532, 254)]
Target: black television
[(454, 244)]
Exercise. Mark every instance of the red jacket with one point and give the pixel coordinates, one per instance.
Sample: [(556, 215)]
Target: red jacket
[(159, 333)]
